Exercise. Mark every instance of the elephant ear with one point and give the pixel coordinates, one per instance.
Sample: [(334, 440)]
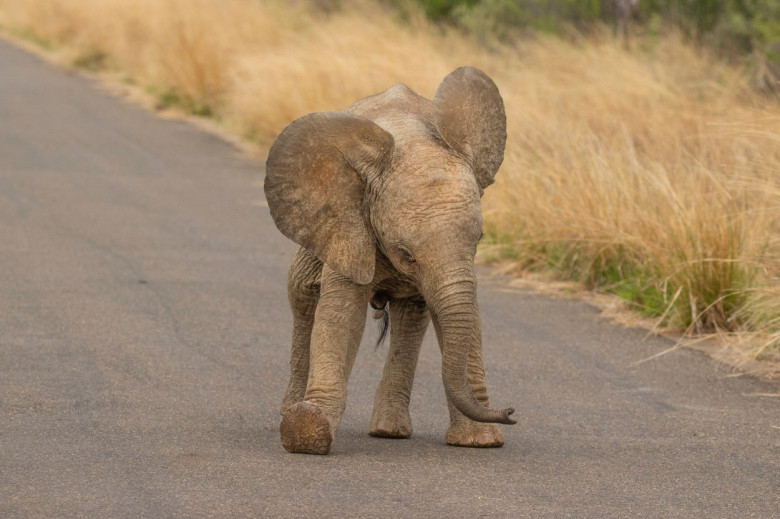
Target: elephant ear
[(469, 115), (315, 184)]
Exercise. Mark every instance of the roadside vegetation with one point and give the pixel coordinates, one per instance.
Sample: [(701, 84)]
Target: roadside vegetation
[(648, 167)]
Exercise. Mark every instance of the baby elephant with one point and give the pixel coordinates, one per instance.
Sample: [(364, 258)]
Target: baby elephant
[(384, 200)]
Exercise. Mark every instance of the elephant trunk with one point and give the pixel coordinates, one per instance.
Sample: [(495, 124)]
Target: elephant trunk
[(458, 325)]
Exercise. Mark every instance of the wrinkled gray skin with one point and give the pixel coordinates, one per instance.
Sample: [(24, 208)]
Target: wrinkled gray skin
[(384, 199)]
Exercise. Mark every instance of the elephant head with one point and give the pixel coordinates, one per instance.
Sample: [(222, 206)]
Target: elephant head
[(400, 176)]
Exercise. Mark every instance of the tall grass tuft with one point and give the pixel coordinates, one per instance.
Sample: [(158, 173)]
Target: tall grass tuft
[(653, 174), (656, 177)]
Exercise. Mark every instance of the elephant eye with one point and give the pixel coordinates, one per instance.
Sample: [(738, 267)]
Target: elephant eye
[(406, 255)]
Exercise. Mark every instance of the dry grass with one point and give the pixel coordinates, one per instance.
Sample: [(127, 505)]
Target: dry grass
[(254, 64), (654, 174)]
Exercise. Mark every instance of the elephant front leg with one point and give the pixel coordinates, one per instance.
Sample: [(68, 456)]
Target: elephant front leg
[(408, 322), (310, 426), (303, 290), (464, 432)]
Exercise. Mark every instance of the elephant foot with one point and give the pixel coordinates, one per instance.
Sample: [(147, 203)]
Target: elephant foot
[(390, 424), (288, 403), (474, 434), (305, 429), (296, 390)]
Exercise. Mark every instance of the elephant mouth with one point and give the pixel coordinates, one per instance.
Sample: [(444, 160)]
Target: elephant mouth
[(380, 300)]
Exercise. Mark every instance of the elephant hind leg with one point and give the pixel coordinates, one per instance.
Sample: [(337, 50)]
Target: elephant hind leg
[(303, 291), (409, 319)]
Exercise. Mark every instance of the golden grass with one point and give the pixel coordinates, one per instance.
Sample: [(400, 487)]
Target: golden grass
[(655, 175), (652, 173)]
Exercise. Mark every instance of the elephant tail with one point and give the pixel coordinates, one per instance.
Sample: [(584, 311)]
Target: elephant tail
[(381, 313)]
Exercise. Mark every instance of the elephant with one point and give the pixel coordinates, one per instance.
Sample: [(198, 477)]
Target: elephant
[(383, 199)]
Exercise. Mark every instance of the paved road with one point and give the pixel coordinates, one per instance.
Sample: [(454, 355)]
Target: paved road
[(143, 354)]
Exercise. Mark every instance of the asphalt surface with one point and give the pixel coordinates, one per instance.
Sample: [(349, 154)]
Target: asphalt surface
[(144, 337)]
